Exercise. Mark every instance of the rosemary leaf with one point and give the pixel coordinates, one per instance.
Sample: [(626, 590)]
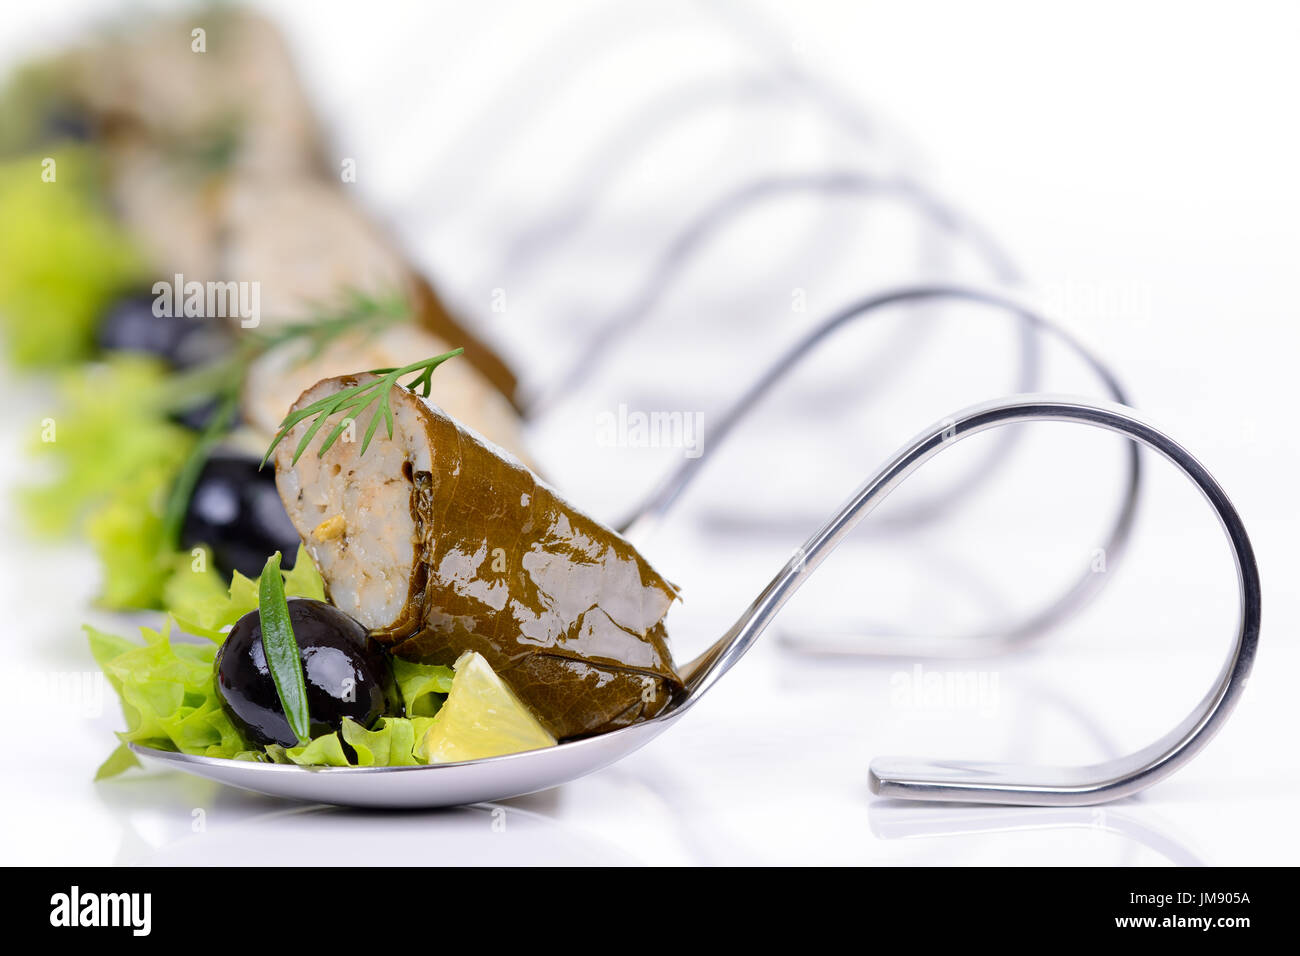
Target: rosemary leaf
[(283, 657)]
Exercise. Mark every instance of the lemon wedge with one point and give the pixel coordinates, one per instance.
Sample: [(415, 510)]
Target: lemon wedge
[(481, 717)]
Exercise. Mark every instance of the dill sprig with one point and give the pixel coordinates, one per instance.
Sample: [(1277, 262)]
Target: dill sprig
[(222, 380), (358, 310), (214, 380), (354, 401)]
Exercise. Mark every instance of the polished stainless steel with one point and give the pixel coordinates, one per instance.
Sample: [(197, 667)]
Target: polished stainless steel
[(997, 639), (501, 777), (435, 785), (975, 782), (535, 400), (940, 216), (618, 151), (980, 782)]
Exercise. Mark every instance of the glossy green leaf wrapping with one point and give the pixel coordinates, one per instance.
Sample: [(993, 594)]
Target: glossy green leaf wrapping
[(580, 636), (562, 608)]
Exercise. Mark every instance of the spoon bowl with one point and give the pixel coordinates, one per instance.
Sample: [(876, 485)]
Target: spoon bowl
[(421, 786)]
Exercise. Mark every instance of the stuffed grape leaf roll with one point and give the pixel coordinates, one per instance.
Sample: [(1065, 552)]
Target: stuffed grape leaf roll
[(442, 543)]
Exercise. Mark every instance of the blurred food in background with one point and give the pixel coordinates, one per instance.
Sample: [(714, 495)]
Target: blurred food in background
[(140, 180)]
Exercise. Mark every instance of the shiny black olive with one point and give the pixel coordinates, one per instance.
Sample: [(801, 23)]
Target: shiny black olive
[(236, 511), (129, 325), (347, 674)]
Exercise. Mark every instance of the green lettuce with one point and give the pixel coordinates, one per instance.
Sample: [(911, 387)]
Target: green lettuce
[(109, 456), (205, 607), (126, 533), (106, 430), (393, 743), (169, 696), (62, 257), (28, 99), (423, 687), (193, 592)]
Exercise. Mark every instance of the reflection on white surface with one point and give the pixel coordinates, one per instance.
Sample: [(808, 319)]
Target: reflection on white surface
[(743, 781), (771, 768), (969, 832), (484, 835)]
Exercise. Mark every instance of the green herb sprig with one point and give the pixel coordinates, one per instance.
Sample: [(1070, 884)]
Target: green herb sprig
[(355, 401), (357, 311), (283, 657), (222, 380)]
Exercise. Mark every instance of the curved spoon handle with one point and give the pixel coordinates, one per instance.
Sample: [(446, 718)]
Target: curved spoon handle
[(974, 782), (618, 150), (983, 643), (669, 264)]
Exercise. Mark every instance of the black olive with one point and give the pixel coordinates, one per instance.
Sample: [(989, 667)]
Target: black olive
[(236, 511), (66, 122), (347, 674), (129, 325)]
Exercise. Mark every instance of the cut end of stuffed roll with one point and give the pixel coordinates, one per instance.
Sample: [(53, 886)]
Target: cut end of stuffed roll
[(353, 512), (278, 377), (441, 543)]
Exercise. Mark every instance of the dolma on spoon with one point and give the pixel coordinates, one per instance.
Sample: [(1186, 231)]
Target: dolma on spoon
[(441, 543)]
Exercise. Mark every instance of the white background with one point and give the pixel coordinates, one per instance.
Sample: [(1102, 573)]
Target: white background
[(1139, 162)]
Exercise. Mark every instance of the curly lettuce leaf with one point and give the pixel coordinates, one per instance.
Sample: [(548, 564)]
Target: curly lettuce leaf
[(126, 533), (30, 99), (201, 605), (62, 257), (111, 455), (423, 686), (303, 580), (119, 761), (393, 743), (106, 429), (194, 584), (169, 696), (390, 744), (323, 751)]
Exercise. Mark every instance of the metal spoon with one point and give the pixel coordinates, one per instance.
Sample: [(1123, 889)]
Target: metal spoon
[(638, 526), (537, 398), (962, 781)]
